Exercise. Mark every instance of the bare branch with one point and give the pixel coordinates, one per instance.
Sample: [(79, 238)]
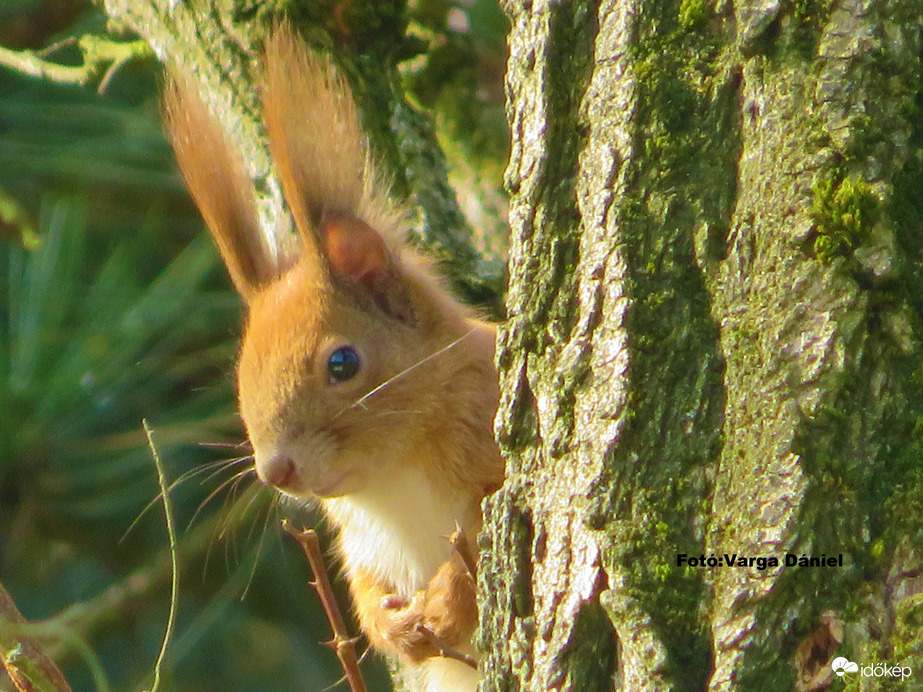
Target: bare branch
[(459, 540), (444, 650), (342, 643), (26, 663), (100, 57)]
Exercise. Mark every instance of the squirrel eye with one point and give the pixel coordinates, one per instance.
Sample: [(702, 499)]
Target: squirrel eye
[(343, 364)]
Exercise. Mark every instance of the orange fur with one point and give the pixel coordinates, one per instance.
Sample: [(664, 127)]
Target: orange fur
[(402, 449), (216, 179), (446, 608)]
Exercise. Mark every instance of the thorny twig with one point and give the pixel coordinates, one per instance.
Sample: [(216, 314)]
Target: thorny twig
[(459, 541), (342, 643)]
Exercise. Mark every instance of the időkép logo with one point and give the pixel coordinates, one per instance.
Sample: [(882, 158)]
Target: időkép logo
[(843, 666)]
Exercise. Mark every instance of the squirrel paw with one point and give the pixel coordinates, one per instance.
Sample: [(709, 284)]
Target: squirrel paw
[(435, 620), (399, 624)]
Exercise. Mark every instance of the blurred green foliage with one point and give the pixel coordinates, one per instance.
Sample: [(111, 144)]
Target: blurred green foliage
[(113, 308), (459, 78)]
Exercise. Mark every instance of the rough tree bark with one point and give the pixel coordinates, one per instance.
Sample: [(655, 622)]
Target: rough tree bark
[(713, 346)]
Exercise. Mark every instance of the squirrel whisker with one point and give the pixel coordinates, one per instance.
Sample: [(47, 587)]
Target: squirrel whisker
[(232, 482), (214, 466), (405, 371), (259, 548)]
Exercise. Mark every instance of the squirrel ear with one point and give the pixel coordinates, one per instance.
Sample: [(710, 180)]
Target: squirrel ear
[(314, 135), (320, 153), (355, 251), (218, 184)]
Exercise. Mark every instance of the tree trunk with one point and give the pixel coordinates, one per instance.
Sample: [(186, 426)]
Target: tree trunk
[(713, 347)]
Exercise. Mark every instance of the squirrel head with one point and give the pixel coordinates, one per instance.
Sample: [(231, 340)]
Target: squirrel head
[(337, 377), (333, 377)]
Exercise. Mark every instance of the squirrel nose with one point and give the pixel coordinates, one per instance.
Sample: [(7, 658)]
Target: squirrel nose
[(279, 472)]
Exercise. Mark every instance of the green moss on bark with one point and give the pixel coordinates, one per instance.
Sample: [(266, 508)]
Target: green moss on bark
[(844, 212), (806, 21), (861, 447), (589, 667), (908, 632), (682, 191), (773, 270)]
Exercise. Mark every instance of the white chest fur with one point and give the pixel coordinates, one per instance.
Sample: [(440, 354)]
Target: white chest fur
[(397, 529)]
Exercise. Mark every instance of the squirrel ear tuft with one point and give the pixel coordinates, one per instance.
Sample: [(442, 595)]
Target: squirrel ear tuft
[(356, 252), (215, 176), (313, 130)]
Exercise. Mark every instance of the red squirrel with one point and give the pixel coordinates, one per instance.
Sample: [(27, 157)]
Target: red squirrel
[(363, 384)]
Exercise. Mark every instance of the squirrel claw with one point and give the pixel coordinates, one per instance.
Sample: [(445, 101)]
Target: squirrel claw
[(393, 602)]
